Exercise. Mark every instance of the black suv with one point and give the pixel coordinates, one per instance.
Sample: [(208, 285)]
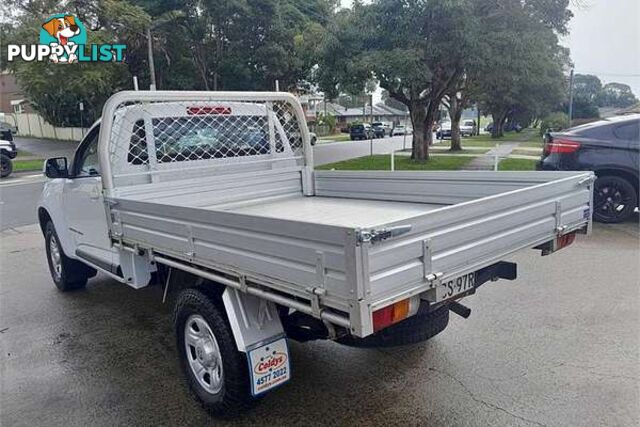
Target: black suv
[(608, 147), (7, 151), (361, 131)]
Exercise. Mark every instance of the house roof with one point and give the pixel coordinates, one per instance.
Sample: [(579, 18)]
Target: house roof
[(378, 110)]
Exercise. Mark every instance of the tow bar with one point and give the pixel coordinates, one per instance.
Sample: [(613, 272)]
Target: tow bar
[(460, 309)]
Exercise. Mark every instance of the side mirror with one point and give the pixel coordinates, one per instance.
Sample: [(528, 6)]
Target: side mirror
[(56, 167)]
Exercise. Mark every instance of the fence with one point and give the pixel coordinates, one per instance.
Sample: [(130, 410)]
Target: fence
[(33, 125)]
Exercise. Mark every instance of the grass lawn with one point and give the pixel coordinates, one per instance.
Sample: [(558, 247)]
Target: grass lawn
[(337, 137), (27, 165), (517, 165), (383, 162), (535, 144), (522, 152)]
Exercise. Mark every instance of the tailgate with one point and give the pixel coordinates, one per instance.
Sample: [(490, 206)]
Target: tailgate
[(464, 237)]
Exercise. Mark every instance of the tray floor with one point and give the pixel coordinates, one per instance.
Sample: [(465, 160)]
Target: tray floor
[(333, 210)]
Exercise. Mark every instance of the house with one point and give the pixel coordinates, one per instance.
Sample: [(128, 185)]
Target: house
[(344, 116), (12, 99)]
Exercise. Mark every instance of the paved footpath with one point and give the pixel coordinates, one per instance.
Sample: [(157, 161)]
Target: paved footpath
[(502, 150)]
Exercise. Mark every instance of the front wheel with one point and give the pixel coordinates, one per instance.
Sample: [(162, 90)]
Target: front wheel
[(614, 199), (6, 167), (67, 274), (216, 372)]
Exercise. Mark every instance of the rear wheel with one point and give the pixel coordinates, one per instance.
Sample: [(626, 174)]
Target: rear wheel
[(216, 372), (614, 199), (6, 167), (415, 329), (67, 274)]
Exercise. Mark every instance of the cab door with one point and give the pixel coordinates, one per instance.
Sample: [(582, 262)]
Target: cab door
[(84, 205)]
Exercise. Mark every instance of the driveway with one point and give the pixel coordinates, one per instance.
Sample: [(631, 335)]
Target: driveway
[(557, 347)]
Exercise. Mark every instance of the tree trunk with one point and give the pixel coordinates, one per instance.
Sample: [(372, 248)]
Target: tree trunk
[(456, 116), (498, 123), (420, 146)]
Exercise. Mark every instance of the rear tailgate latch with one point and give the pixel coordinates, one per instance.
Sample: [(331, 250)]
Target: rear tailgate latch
[(378, 235)]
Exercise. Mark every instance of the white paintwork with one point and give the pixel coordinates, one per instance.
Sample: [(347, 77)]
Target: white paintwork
[(273, 221)]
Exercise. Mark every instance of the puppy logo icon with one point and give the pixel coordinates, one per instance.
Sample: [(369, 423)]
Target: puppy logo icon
[(63, 39), (66, 32)]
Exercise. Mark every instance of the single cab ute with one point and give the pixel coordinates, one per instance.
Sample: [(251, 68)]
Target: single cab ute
[(214, 195)]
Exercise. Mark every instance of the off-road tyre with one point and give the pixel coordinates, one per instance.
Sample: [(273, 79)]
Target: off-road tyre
[(415, 329), (6, 166), (234, 397), (73, 274)]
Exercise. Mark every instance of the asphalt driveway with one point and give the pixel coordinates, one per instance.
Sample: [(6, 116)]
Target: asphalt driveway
[(558, 347)]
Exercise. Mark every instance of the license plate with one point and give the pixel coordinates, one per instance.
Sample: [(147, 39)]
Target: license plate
[(453, 287), (269, 366)]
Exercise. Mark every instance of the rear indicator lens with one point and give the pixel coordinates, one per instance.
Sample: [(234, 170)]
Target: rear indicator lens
[(561, 146), (394, 313), (208, 110), (566, 240)]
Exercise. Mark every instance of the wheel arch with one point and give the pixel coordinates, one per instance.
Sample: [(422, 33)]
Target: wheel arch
[(627, 175), (43, 218)]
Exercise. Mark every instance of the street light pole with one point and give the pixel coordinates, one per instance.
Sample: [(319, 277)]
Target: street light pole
[(570, 97), (152, 68)]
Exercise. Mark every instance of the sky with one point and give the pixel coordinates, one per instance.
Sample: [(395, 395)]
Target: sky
[(604, 40)]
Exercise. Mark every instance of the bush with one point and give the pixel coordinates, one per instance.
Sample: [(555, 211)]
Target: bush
[(554, 121)]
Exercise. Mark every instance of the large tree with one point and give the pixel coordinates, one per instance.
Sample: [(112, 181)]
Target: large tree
[(617, 95), (522, 66), (416, 50)]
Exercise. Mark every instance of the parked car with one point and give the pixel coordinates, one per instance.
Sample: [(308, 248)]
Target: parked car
[(444, 130), (610, 149), (468, 127), (380, 129), (313, 137), (361, 131), (6, 125), (401, 130), (7, 152)]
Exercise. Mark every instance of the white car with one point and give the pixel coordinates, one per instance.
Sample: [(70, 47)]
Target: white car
[(468, 128), (401, 130)]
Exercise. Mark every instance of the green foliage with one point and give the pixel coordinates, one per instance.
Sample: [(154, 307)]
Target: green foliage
[(617, 95), (329, 120), (589, 94), (197, 44), (554, 121), (415, 49), (517, 165), (521, 73), (383, 162)]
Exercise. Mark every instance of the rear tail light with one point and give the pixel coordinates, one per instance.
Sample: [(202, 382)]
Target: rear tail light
[(208, 110), (565, 240), (558, 243), (561, 146), (395, 312)]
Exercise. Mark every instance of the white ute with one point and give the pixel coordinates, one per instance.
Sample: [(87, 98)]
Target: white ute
[(214, 196)]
